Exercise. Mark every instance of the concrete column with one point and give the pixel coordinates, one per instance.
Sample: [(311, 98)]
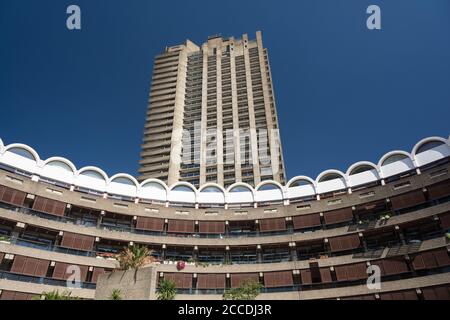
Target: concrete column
[(195, 254), (178, 118), (294, 256), (259, 254), (400, 234), (274, 146), (219, 137), (251, 111), (204, 115), (236, 136)]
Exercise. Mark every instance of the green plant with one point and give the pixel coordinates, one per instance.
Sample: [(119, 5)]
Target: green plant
[(202, 264), (248, 290), (134, 257), (167, 290), (4, 238), (116, 294), (55, 295)]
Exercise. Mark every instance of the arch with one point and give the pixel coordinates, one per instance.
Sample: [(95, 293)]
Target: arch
[(265, 183), (295, 179), (211, 193), (28, 152), (429, 150), (97, 172), (360, 167), (63, 161), (124, 178), (362, 172), (240, 192), (418, 148), (392, 157), (269, 191), (306, 188), (153, 189), (329, 175), (331, 180), (212, 186), (92, 178), (123, 184), (179, 186), (182, 192), (395, 162), (59, 169), (240, 187), (22, 157)]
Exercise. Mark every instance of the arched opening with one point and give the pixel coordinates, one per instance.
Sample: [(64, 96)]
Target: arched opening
[(361, 169), (240, 189), (300, 183), (182, 189), (393, 158), (22, 152), (330, 176), (268, 186), (429, 145)]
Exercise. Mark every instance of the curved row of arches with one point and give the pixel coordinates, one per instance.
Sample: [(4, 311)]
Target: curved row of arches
[(26, 159)]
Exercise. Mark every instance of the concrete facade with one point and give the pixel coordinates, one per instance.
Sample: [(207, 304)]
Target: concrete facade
[(133, 284), (222, 90), (413, 191)]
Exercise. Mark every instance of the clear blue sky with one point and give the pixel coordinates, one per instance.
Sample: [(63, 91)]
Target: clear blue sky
[(344, 93)]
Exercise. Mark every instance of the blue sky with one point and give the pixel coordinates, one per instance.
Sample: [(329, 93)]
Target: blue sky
[(344, 93)]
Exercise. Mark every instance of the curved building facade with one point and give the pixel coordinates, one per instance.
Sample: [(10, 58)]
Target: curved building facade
[(307, 239)]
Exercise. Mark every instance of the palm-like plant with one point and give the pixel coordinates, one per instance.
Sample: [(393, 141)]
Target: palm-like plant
[(116, 294), (134, 257), (55, 295), (167, 290)]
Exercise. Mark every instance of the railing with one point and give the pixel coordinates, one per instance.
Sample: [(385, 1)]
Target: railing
[(77, 221), (48, 247), (319, 285), (300, 256), (42, 280)]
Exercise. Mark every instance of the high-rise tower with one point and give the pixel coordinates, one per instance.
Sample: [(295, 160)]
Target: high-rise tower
[(212, 115)]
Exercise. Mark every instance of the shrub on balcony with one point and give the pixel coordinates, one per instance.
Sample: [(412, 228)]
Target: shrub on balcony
[(248, 290), (134, 257), (167, 290), (55, 295)]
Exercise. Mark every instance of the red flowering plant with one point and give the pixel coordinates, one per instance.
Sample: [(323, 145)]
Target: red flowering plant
[(181, 265)]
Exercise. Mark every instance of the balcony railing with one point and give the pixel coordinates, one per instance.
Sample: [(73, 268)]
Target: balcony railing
[(42, 280)]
